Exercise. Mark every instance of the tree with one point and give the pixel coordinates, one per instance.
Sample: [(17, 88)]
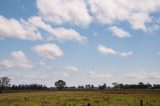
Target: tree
[(60, 84), (4, 82), (103, 87), (116, 85)]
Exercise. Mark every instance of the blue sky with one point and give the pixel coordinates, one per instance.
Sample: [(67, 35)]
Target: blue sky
[(81, 42)]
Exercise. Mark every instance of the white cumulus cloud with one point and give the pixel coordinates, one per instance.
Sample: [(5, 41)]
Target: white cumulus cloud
[(109, 51), (12, 28), (38, 22), (71, 69), (18, 60), (59, 33), (105, 50), (64, 11), (119, 32), (49, 50), (136, 12), (68, 34)]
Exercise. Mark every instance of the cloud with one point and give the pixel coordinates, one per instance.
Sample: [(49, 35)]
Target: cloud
[(109, 51), (12, 28), (136, 13), (49, 51), (68, 34), (142, 75), (38, 22), (18, 60), (155, 25), (96, 75), (28, 30), (71, 69), (64, 11), (60, 33), (138, 21), (126, 54), (105, 50), (119, 32)]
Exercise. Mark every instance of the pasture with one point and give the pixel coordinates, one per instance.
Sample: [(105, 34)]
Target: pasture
[(81, 98)]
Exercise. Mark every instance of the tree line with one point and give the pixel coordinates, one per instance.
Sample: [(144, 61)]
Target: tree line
[(61, 85)]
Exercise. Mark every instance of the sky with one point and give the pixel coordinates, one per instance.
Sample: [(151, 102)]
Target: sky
[(80, 41)]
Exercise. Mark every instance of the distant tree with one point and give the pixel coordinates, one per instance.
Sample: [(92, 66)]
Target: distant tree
[(60, 84), (102, 87), (141, 85), (156, 86), (116, 85), (92, 86), (4, 82), (80, 87), (87, 86), (121, 86), (149, 86), (28, 87)]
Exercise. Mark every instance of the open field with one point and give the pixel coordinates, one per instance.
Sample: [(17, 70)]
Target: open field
[(81, 98)]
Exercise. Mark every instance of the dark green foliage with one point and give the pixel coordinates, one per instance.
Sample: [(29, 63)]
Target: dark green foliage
[(103, 87), (60, 84), (4, 82)]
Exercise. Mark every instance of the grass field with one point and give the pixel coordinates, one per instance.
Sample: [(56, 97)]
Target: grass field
[(81, 98)]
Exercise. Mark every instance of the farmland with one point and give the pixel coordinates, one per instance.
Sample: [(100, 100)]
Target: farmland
[(81, 98)]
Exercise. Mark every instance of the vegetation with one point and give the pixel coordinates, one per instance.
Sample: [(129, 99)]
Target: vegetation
[(81, 98), (60, 84), (28, 87), (4, 82), (88, 95)]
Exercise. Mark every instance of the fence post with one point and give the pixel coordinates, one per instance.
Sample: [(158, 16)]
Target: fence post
[(141, 102)]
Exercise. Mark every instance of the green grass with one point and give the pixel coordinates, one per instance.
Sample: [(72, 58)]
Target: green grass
[(81, 98)]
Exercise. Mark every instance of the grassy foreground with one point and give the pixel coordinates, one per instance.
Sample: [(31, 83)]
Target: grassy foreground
[(81, 98)]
